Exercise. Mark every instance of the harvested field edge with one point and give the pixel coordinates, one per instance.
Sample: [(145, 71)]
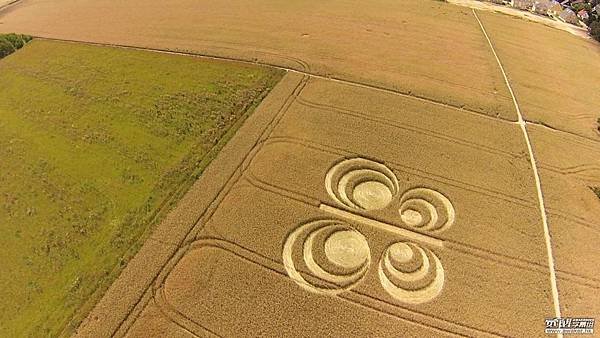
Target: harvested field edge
[(183, 246), (168, 204), (562, 131), (523, 125), (303, 69), (523, 15), (9, 4), (126, 297)]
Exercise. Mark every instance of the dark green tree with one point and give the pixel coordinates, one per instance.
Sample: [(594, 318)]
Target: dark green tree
[(595, 30), (6, 47), (9, 43), (15, 39)]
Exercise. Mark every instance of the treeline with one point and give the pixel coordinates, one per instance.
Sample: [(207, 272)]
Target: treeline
[(593, 20), (595, 29), (9, 43)]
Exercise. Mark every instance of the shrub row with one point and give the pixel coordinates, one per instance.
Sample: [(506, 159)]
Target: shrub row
[(595, 30), (9, 43)]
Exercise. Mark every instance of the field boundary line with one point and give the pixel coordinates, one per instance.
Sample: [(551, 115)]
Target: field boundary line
[(215, 202), (536, 175), (563, 131), (292, 70), (14, 2), (327, 78)]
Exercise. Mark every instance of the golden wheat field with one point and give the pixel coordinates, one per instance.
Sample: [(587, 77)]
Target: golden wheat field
[(421, 169)]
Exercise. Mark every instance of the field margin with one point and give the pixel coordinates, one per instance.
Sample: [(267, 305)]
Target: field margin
[(167, 205), (127, 292), (523, 125)]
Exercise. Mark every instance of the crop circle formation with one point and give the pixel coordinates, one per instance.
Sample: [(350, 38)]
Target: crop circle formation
[(326, 256), (426, 209), (410, 273), (361, 184)]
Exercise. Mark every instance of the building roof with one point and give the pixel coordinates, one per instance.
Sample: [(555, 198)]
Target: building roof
[(583, 14), (567, 15)]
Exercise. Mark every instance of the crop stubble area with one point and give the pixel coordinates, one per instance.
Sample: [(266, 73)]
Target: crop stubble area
[(96, 144), (559, 97), (553, 73), (391, 44)]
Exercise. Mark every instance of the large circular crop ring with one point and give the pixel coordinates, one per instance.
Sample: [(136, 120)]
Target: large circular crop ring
[(326, 256), (426, 209), (410, 273), (361, 184)]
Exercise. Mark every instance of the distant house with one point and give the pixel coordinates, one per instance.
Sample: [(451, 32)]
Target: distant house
[(583, 15), (542, 6), (554, 9), (568, 16), (523, 4)]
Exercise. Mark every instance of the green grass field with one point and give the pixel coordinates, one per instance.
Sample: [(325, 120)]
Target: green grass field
[(96, 144)]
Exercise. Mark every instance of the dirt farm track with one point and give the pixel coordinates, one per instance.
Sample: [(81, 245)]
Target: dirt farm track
[(423, 169)]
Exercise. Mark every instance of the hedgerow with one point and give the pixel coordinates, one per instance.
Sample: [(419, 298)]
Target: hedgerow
[(9, 43)]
